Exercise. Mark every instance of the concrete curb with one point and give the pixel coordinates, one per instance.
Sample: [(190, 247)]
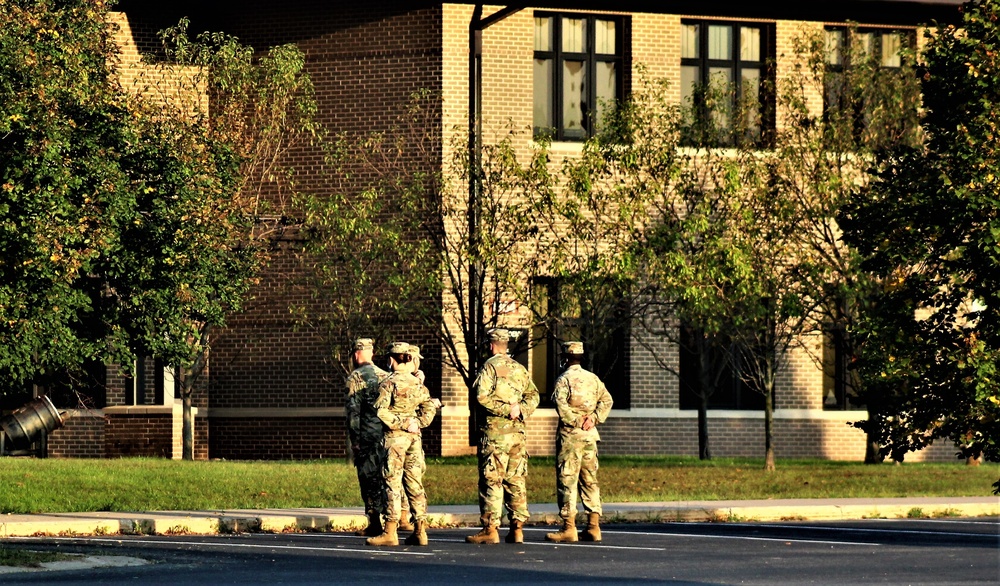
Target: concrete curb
[(283, 520)]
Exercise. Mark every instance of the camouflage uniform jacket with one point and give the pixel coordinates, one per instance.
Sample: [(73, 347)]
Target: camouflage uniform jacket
[(578, 393), (401, 397), (363, 424), (501, 382)]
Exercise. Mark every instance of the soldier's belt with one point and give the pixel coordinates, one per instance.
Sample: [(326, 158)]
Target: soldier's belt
[(502, 430), (396, 432)]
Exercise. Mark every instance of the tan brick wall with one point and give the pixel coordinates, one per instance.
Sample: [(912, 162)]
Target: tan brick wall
[(507, 99), (365, 61)]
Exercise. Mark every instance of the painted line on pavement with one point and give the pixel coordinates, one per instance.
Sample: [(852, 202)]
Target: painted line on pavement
[(955, 522), (865, 530), (149, 542), (744, 537)]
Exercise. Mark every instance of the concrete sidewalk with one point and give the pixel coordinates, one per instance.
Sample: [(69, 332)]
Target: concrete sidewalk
[(346, 519)]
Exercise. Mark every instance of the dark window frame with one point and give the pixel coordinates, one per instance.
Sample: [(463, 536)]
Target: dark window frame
[(621, 59), (851, 36), (613, 365), (737, 64), (733, 394)]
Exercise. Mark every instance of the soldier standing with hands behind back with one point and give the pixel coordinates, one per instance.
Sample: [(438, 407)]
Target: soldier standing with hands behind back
[(506, 397), (405, 407), (582, 402)]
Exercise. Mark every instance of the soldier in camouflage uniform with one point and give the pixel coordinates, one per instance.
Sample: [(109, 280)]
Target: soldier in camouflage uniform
[(506, 397), (405, 407), (405, 523), (365, 431), (582, 402)]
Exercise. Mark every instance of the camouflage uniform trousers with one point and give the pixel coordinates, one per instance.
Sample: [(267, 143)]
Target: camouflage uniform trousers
[(369, 460), (503, 469), (576, 473), (403, 475)]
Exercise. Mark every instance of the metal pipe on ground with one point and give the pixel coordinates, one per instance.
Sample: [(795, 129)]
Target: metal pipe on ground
[(26, 424)]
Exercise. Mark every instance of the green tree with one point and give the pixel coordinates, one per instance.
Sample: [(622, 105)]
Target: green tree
[(65, 187), (928, 229), (636, 240), (821, 159), (121, 218), (772, 297)]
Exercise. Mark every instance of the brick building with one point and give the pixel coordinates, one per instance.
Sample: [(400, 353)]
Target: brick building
[(271, 393)]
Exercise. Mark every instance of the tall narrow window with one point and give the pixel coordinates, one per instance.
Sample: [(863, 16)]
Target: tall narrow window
[(723, 69), (579, 61), (867, 89)]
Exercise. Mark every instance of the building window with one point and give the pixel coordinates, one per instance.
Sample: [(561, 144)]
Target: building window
[(603, 327), (704, 366), (723, 82), (866, 86), (839, 379), (579, 73)]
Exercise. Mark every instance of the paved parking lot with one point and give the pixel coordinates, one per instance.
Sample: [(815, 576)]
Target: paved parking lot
[(962, 551)]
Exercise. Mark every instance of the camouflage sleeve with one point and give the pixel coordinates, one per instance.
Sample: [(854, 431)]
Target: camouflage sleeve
[(560, 396), (383, 405), (529, 400), (485, 385), (427, 408), (352, 406), (604, 402)]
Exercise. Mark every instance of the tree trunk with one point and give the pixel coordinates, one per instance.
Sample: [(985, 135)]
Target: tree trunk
[(704, 453), (708, 372), (769, 465), (873, 455), (187, 426)]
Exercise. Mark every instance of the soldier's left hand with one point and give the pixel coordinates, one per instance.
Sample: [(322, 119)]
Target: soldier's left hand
[(588, 422), (412, 426), (515, 410)]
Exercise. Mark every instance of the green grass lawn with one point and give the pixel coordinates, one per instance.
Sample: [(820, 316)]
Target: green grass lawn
[(55, 485)]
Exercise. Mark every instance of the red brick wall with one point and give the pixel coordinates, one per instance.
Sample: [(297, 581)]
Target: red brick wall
[(139, 435), (365, 61), (278, 438), (149, 435), (81, 436)]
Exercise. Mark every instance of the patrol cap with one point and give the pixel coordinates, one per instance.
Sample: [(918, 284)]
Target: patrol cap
[(364, 344), (573, 348), (399, 348), (498, 335), (415, 351)]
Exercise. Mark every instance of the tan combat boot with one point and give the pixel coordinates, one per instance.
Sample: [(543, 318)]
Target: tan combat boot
[(373, 529), (487, 535), (593, 531), (566, 535), (388, 536), (419, 535), (404, 523), (516, 533)]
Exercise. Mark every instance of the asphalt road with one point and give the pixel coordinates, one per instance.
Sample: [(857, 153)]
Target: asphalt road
[(963, 551)]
